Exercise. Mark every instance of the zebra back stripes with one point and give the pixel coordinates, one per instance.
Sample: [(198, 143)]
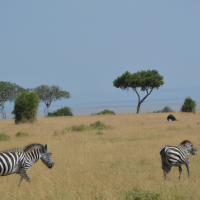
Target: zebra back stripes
[(9, 159), (19, 161), (176, 156)]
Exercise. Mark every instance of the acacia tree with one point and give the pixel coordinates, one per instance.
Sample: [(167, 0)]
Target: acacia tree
[(146, 80), (8, 92), (47, 94)]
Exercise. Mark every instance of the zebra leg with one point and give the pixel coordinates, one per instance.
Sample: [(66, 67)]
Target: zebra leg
[(187, 165), (20, 181), (180, 170), (23, 174), (166, 175)]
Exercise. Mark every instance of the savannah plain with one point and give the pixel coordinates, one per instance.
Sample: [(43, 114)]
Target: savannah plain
[(106, 166)]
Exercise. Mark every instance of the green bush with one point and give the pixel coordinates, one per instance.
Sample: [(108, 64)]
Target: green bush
[(66, 111), (189, 105), (25, 108), (4, 137), (105, 112), (21, 134), (165, 109)]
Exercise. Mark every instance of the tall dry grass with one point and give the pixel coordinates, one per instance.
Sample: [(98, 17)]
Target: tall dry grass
[(108, 166)]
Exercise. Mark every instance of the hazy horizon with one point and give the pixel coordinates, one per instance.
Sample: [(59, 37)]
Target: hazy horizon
[(83, 46)]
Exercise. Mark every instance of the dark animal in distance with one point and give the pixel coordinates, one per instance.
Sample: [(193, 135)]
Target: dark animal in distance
[(19, 161), (176, 156), (172, 118)]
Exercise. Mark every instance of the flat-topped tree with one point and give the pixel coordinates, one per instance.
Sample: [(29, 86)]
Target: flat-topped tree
[(146, 80), (8, 92), (47, 94)]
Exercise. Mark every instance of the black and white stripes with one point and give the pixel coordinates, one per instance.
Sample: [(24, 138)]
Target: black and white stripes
[(176, 156), (19, 161)]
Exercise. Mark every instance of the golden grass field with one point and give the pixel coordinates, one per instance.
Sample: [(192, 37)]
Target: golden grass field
[(108, 166)]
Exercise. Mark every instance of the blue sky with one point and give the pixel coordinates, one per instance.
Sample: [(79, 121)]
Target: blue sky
[(82, 46)]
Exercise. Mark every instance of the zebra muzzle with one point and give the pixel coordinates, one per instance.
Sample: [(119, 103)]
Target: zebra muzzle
[(51, 165)]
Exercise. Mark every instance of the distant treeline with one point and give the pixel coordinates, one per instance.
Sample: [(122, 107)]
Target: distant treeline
[(105, 112), (165, 109)]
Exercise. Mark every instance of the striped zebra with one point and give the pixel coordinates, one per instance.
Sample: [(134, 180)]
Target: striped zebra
[(176, 156), (19, 161)]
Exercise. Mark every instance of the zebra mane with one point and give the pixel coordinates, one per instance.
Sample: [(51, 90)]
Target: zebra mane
[(32, 146), (185, 141), (10, 150)]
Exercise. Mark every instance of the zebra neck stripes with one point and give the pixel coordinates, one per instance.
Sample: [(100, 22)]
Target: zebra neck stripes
[(33, 155)]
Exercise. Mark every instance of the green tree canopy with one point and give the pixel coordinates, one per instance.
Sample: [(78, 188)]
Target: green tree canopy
[(8, 92), (47, 94), (146, 80), (25, 109), (189, 105), (66, 111)]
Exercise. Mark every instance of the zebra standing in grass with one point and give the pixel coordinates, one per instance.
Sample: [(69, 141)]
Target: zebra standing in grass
[(19, 161), (176, 156)]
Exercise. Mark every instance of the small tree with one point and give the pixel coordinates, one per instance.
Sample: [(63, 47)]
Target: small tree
[(146, 80), (66, 111), (25, 108), (189, 105), (47, 94), (8, 92)]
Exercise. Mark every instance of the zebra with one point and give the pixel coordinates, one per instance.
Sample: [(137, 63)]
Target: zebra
[(19, 161), (176, 156)]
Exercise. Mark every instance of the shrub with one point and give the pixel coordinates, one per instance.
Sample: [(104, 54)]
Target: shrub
[(105, 112), (21, 134), (66, 111), (25, 108), (4, 137), (165, 109), (189, 105)]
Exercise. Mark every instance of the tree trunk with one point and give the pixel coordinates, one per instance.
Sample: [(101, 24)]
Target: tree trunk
[(140, 102), (138, 108)]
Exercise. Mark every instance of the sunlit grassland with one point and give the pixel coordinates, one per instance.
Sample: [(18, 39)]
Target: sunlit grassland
[(107, 166)]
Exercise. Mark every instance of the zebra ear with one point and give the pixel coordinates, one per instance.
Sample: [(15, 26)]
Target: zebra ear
[(46, 148)]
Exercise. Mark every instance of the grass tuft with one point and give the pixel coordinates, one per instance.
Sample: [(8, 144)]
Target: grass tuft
[(95, 126), (4, 137), (21, 134), (99, 126), (77, 128), (99, 132), (139, 195)]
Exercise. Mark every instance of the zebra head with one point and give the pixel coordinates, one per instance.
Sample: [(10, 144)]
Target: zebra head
[(189, 146), (46, 157)]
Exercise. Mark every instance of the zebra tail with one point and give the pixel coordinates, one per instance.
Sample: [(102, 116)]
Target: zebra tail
[(165, 166)]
